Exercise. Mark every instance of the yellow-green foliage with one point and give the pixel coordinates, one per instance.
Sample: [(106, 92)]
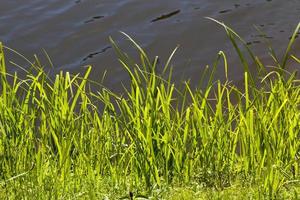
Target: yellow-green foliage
[(56, 142)]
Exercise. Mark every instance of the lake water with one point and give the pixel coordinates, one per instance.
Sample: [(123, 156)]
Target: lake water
[(75, 32)]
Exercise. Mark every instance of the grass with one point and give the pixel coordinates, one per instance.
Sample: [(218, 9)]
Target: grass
[(61, 140)]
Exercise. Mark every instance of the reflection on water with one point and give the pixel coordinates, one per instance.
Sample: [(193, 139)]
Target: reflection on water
[(165, 16), (75, 33), (91, 55), (93, 19)]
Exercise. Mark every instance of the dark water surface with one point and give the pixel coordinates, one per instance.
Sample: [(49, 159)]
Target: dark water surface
[(75, 32)]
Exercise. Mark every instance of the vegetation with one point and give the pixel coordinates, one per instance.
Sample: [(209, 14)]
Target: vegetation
[(61, 140)]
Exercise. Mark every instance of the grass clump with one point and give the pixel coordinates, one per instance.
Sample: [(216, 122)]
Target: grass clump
[(155, 140)]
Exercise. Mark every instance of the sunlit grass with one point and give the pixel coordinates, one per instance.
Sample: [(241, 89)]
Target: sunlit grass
[(154, 140)]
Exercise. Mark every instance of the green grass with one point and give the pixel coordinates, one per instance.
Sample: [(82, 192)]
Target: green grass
[(61, 140)]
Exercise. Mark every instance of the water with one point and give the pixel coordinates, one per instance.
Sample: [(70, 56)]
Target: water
[(75, 32)]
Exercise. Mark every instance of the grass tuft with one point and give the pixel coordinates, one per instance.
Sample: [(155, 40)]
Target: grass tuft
[(154, 140)]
